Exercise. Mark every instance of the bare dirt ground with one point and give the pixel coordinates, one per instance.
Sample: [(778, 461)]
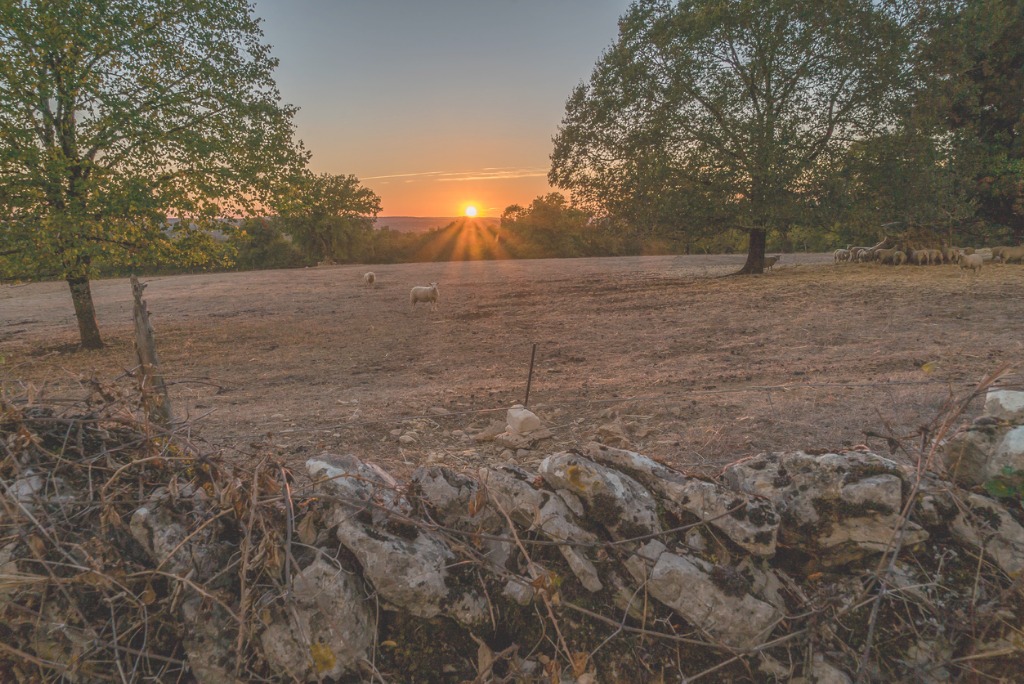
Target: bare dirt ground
[(698, 370)]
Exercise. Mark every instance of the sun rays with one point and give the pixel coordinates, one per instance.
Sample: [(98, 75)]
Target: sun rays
[(466, 239)]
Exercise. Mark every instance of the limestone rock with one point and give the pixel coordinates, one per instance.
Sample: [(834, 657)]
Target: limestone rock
[(458, 501), (714, 599), (536, 509), (522, 420), (493, 429), (406, 564), (1008, 455), (752, 523), (616, 501), (518, 441), (967, 454), (614, 435), (986, 524), (327, 628), (1005, 405), (209, 640), (837, 507), (162, 532)]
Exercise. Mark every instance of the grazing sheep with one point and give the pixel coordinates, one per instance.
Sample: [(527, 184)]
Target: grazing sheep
[(424, 294), (841, 255), (920, 257), (1008, 254), (769, 262), (949, 254), (874, 253), (856, 253), (890, 256), (369, 278), (935, 256), (970, 261)]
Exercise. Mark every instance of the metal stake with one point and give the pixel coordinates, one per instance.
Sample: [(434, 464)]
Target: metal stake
[(529, 378)]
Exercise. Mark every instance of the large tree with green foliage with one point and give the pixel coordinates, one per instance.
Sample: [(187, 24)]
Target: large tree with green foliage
[(972, 63), (117, 114), (715, 114), (329, 217)]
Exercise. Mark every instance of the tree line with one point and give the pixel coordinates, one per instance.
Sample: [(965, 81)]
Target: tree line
[(708, 126)]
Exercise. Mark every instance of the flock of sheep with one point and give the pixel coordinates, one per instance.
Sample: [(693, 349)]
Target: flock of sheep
[(968, 258), (420, 293)]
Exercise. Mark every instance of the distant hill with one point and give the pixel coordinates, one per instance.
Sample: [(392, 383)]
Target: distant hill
[(421, 224)]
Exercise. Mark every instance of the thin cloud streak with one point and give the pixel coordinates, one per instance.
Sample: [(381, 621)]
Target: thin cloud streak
[(462, 176)]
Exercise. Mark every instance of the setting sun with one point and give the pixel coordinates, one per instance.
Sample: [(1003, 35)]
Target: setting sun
[(471, 211)]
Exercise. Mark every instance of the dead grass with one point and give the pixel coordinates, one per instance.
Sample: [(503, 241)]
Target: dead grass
[(702, 370)]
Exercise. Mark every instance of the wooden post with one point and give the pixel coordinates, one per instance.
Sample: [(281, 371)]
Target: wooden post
[(154, 392)]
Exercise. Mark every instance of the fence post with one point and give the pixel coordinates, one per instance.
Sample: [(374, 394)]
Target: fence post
[(529, 378), (155, 401)]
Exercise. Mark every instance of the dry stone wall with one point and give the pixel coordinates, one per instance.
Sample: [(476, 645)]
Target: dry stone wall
[(792, 566)]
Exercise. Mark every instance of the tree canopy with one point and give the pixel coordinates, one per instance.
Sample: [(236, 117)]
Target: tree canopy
[(710, 115), (116, 115), (973, 65), (329, 217)]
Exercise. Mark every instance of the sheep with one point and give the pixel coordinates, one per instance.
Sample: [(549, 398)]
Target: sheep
[(920, 257), (841, 255), (369, 278), (424, 294), (935, 256), (970, 261), (890, 256), (769, 262), (872, 253), (1008, 254)]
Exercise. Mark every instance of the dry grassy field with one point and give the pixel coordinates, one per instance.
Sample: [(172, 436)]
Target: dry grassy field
[(699, 370)]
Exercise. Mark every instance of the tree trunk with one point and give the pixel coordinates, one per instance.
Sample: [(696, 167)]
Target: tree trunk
[(85, 312), (755, 252)]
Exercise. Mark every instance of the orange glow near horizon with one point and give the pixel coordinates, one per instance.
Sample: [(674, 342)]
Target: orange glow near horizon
[(465, 240), (428, 197)]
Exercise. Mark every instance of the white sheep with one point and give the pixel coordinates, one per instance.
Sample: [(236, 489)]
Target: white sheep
[(1009, 254), (890, 256), (841, 255), (369, 278), (971, 261), (424, 294)]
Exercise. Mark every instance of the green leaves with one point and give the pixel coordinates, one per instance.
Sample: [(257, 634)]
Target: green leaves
[(330, 217), (712, 114), (117, 115), (1008, 484)]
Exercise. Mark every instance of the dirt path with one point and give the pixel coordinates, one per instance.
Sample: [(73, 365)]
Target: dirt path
[(679, 357)]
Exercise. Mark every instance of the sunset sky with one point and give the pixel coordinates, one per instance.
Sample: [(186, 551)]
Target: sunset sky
[(436, 104)]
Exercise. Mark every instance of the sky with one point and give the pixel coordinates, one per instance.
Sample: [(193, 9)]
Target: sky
[(436, 104)]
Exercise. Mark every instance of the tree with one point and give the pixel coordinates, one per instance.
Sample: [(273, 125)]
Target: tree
[(972, 64), (117, 114), (260, 244), (329, 217), (721, 110), (549, 227)]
